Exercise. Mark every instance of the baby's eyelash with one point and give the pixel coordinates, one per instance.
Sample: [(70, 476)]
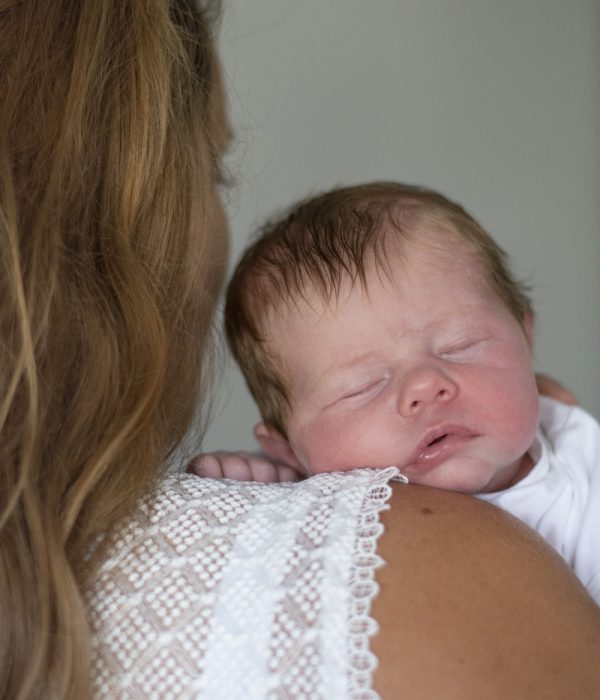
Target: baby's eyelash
[(355, 392), (459, 347), (360, 390)]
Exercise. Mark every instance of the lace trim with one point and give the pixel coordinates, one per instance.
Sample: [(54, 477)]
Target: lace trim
[(219, 589), (363, 586)]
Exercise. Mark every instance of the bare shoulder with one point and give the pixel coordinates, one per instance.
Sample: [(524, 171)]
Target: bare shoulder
[(475, 605)]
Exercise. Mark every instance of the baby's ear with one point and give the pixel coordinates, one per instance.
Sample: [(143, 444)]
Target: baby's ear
[(273, 444)]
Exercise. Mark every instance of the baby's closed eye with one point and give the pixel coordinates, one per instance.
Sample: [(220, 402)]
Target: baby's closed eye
[(462, 347), (363, 390)]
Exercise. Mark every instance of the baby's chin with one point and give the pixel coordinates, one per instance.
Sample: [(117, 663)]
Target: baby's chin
[(465, 475)]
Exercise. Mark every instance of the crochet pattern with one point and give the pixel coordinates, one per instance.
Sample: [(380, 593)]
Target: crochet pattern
[(221, 589)]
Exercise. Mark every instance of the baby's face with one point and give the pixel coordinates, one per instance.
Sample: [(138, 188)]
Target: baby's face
[(428, 371)]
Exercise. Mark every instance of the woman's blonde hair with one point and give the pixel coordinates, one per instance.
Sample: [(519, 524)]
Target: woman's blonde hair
[(110, 124)]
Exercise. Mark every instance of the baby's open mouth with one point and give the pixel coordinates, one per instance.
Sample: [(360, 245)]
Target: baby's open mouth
[(439, 443), (438, 439)]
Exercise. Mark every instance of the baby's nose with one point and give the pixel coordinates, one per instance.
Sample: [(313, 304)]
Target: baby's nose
[(423, 387)]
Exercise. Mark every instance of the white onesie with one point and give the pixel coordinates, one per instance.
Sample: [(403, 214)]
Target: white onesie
[(560, 497)]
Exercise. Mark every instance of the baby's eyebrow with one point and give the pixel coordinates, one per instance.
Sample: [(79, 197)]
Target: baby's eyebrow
[(341, 371)]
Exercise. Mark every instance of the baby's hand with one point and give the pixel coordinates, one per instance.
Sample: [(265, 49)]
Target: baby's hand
[(243, 466)]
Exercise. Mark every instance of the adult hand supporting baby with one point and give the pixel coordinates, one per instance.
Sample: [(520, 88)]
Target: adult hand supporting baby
[(548, 386)]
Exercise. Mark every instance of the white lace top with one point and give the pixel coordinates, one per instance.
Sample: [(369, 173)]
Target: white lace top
[(222, 590)]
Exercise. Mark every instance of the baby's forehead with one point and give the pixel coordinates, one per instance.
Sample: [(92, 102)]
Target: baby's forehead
[(434, 251)]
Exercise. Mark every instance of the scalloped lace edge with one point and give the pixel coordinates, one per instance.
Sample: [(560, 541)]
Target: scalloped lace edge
[(364, 588)]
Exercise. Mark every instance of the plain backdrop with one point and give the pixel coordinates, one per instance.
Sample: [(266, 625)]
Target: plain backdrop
[(495, 104)]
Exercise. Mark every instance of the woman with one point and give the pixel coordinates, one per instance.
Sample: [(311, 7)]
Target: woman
[(113, 242), (112, 250)]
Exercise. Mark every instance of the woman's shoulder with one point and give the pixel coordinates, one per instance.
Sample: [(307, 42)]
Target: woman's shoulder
[(473, 604), (216, 588)]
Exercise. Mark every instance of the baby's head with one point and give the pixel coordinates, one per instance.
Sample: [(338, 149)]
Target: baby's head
[(380, 325)]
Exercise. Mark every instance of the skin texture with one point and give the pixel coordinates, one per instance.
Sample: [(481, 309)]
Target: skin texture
[(425, 369), (474, 606), (242, 466), (247, 466)]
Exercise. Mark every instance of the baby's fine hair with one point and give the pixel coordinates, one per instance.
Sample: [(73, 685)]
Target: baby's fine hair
[(322, 241)]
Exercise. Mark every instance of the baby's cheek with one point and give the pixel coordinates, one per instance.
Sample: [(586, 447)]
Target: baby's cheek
[(316, 446), (530, 417), (518, 414), (328, 445)]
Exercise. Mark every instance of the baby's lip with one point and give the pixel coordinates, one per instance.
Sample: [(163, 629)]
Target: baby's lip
[(438, 441)]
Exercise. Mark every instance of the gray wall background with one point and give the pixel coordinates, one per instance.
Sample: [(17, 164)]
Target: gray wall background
[(496, 104)]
